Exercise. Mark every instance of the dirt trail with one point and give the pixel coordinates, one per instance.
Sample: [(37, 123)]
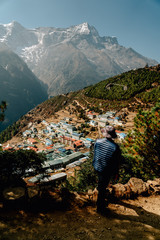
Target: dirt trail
[(79, 104), (128, 219)]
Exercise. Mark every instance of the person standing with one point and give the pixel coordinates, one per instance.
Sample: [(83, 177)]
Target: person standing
[(106, 161)]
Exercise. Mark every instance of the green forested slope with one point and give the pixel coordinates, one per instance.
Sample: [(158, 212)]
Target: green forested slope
[(128, 85)]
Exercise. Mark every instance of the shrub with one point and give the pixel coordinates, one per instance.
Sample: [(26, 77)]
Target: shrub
[(85, 178), (141, 147)]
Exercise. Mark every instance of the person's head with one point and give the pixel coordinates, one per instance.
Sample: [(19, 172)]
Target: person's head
[(109, 132)]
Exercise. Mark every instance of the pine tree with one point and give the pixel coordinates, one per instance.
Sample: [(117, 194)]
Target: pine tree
[(141, 148), (3, 107)]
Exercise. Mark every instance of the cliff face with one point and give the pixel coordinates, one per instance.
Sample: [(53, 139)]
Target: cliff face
[(19, 87)]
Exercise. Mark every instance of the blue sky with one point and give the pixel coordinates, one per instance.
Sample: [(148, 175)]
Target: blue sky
[(136, 23)]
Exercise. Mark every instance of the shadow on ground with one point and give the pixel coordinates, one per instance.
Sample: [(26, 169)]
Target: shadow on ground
[(58, 217)]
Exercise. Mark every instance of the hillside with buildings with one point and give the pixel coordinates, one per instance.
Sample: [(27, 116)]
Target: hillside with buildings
[(74, 119), (65, 137), (65, 128)]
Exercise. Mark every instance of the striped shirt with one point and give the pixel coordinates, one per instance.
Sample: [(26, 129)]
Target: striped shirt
[(104, 155)]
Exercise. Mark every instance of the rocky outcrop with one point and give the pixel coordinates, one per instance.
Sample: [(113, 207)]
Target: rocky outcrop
[(154, 186), (133, 188)]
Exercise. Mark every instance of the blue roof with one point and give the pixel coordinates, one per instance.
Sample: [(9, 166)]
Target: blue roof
[(123, 135), (76, 134), (89, 139), (62, 149), (46, 131)]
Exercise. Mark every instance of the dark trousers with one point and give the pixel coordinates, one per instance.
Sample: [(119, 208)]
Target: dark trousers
[(103, 181)]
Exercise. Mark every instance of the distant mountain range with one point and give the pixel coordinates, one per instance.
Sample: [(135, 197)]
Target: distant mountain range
[(72, 58), (19, 87)]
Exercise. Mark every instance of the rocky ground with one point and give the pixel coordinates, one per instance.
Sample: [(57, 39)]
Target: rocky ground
[(46, 219)]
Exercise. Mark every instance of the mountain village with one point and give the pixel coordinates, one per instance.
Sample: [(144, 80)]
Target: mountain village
[(63, 144)]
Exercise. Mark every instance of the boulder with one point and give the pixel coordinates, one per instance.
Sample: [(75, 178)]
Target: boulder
[(32, 192), (118, 190), (155, 182), (128, 192), (13, 193), (90, 194), (137, 186), (154, 185), (81, 199), (95, 195), (14, 197)]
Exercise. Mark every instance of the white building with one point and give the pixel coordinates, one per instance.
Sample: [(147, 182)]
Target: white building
[(93, 123)]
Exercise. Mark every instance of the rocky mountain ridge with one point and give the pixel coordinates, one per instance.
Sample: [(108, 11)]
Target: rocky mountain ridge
[(20, 88), (68, 59)]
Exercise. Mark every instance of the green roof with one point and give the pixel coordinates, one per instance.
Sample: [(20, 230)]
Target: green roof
[(72, 157)]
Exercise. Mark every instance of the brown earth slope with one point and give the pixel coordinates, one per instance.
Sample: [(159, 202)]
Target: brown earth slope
[(128, 219)]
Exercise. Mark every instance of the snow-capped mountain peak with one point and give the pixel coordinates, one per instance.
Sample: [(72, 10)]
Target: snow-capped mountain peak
[(83, 28), (13, 24), (69, 58)]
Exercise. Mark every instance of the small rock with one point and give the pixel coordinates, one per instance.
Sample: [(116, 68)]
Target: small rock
[(109, 229)]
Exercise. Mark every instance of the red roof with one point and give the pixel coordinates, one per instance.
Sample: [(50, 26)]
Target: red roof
[(32, 140), (50, 147), (34, 149), (78, 143), (118, 131)]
